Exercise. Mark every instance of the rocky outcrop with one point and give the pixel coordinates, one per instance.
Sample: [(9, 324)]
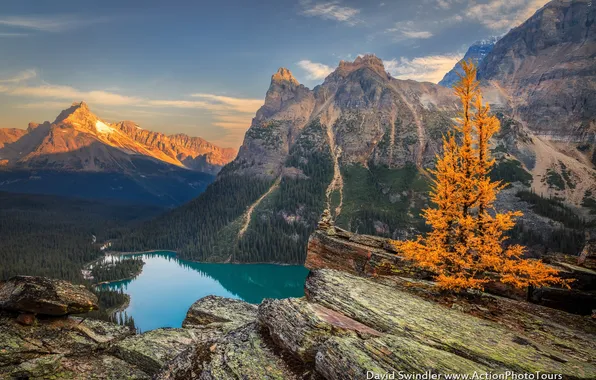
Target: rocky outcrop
[(62, 348), (587, 256), (458, 343), (39, 295), (348, 325), (212, 310), (362, 255), (301, 327), (151, 350), (227, 343), (57, 345)]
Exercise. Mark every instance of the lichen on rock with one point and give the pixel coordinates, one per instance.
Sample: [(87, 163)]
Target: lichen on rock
[(46, 296)]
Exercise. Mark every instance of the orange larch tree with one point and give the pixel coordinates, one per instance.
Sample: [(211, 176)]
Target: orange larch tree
[(465, 246)]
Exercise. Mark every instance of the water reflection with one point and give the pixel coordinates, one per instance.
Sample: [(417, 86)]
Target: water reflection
[(163, 292)]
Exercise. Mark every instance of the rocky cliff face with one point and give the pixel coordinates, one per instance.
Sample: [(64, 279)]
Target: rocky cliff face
[(286, 111), (476, 53), (78, 140), (546, 68), (542, 74), (367, 117), (348, 325)]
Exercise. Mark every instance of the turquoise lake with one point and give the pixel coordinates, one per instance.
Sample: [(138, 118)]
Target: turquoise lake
[(161, 295)]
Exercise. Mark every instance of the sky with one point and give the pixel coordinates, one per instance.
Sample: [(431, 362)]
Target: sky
[(203, 67)]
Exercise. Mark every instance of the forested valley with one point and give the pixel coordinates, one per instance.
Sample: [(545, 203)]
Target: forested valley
[(53, 236)]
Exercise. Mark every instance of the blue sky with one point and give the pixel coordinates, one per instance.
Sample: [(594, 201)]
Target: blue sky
[(203, 67)]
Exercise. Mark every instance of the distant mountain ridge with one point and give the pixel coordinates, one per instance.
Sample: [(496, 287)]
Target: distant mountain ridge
[(476, 52), (78, 140), (192, 152), (80, 154)]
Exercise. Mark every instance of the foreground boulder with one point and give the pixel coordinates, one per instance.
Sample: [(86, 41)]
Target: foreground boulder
[(211, 310), (40, 295), (62, 348), (243, 353), (420, 335), (301, 327), (219, 326), (349, 327), (151, 350)]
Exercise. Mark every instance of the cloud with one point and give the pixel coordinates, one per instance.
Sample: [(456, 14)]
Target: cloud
[(502, 15), (446, 4), (404, 30), (43, 105), (132, 113), (233, 122), (70, 94), (315, 70), (211, 102), (13, 34), (183, 104), (21, 77), (417, 34), (49, 23), (430, 68), (234, 128), (331, 11), (237, 104)]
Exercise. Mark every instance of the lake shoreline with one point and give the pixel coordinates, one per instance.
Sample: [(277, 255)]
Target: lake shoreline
[(119, 280), (118, 253), (167, 286), (120, 308), (90, 277)]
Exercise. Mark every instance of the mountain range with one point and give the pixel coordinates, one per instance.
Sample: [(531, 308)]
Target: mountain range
[(357, 145), (81, 154)]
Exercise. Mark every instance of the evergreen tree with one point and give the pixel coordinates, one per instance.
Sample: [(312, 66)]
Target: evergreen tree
[(465, 244)]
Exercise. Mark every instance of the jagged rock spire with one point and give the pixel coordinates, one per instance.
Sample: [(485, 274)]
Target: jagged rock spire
[(369, 60), (284, 75)]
